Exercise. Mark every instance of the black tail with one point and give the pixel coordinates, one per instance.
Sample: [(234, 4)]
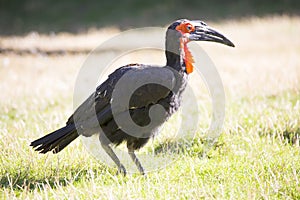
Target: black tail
[(56, 140)]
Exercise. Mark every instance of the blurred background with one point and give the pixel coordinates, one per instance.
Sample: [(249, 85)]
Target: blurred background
[(45, 16)]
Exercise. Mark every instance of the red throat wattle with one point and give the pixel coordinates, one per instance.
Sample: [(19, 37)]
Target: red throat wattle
[(186, 28), (187, 56)]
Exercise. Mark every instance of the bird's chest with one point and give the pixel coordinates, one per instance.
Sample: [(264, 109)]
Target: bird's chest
[(175, 98)]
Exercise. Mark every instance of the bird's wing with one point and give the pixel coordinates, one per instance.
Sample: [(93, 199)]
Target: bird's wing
[(141, 87), (129, 87)]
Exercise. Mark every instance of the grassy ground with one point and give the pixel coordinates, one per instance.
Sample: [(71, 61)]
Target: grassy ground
[(256, 157)]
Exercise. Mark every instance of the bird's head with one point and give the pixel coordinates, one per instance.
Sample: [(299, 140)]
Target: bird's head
[(194, 30)]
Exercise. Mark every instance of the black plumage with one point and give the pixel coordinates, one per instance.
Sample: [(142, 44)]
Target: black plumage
[(99, 113)]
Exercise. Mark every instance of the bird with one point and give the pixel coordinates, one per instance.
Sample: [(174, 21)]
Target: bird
[(150, 104)]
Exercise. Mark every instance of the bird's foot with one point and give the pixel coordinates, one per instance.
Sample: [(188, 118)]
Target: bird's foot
[(121, 170), (144, 175), (141, 169)]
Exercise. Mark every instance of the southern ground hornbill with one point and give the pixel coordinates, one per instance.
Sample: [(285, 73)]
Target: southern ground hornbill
[(96, 114)]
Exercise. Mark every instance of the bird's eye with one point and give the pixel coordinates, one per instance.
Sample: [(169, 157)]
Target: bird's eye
[(185, 28), (189, 27)]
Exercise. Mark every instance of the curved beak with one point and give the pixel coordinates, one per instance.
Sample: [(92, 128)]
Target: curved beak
[(203, 32)]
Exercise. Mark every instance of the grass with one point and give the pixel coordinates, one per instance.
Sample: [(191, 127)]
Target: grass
[(256, 157)]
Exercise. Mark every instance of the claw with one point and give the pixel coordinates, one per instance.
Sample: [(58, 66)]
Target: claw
[(121, 170)]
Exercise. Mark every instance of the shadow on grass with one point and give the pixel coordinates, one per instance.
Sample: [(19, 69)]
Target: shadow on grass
[(174, 147), (288, 136), (193, 147), (292, 136), (25, 180)]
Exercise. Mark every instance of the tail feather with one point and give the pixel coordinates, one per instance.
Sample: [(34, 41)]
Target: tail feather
[(57, 140), (65, 142)]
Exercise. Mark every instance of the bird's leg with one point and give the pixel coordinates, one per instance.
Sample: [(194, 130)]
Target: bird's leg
[(136, 161), (113, 156)]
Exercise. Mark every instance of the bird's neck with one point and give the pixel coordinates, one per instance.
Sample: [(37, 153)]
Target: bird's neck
[(178, 55), (174, 61), (173, 53)]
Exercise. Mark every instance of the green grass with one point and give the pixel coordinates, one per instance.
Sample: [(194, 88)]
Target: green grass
[(253, 158)]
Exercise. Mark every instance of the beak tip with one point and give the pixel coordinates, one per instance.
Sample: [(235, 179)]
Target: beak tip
[(229, 43)]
